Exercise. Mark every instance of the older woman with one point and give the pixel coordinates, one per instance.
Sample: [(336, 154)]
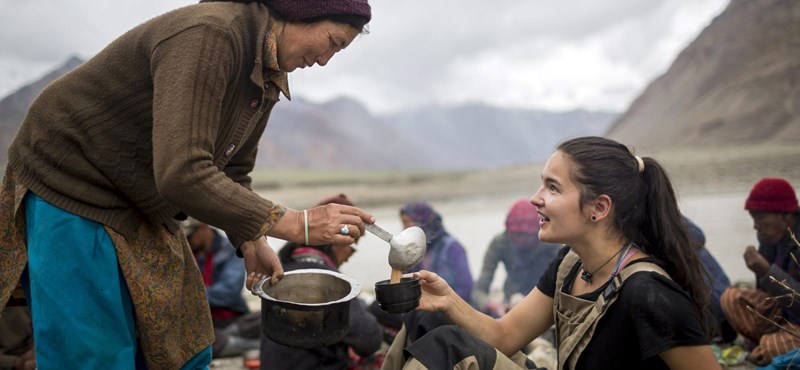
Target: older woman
[(627, 293), (162, 123)]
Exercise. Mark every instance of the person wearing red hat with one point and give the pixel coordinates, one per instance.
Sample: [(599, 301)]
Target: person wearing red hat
[(524, 257), (773, 205), (161, 124)]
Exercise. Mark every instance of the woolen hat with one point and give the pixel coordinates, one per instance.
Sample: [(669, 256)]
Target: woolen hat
[(523, 217), (299, 10), (772, 194)]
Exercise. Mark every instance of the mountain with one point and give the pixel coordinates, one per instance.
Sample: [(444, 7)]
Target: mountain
[(480, 136), (343, 134), (737, 83), (14, 106)]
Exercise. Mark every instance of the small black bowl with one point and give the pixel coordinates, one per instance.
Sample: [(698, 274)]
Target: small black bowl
[(400, 297)]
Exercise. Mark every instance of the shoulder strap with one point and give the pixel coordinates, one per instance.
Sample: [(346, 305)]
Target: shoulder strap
[(627, 272), (570, 259)]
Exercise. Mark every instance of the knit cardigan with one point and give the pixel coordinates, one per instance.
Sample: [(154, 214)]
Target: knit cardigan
[(165, 120)]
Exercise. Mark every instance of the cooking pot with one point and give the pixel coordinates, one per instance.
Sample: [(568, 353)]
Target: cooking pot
[(307, 308)]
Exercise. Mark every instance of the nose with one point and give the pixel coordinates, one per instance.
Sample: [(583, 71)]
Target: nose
[(323, 59), (536, 199)]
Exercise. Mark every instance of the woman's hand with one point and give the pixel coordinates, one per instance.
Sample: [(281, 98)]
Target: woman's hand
[(436, 293), (325, 224), (260, 261)]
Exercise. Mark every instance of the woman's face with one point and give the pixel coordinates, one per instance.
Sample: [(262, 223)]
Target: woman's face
[(302, 45), (558, 202)]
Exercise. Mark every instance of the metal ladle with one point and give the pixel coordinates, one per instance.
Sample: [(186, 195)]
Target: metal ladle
[(406, 249)]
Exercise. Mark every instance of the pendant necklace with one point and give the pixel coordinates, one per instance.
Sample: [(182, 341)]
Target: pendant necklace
[(587, 276)]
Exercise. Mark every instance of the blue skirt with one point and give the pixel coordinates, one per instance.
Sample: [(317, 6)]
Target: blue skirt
[(82, 312)]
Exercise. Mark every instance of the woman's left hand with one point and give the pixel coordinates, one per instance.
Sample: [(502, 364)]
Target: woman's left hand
[(260, 261), (436, 293)]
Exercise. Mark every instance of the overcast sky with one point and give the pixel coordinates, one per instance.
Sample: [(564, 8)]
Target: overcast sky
[(555, 55)]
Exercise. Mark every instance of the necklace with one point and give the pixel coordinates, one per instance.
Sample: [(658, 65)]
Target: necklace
[(587, 276)]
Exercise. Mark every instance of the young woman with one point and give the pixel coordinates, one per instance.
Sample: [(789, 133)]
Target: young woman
[(626, 293)]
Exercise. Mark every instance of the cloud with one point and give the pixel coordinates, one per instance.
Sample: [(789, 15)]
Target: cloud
[(528, 54)]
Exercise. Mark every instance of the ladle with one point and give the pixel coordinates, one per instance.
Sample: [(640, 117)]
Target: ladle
[(406, 249)]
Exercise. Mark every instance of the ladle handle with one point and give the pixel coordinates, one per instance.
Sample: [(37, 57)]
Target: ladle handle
[(378, 231)]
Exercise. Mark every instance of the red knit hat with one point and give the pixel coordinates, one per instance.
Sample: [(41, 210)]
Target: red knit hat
[(298, 10), (772, 194), (523, 217)]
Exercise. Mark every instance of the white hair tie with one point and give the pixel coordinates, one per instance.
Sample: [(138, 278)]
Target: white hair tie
[(641, 163)]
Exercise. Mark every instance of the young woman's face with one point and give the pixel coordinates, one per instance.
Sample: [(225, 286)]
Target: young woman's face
[(302, 45), (558, 202)]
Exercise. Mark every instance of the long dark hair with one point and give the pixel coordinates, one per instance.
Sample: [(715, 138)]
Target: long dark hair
[(645, 208)]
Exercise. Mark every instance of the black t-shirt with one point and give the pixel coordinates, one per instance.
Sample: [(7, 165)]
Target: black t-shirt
[(651, 314)]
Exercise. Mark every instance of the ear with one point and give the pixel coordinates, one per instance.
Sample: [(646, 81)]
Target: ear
[(601, 207)]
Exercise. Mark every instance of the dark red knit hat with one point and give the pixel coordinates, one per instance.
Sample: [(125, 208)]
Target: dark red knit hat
[(772, 194), (523, 217), (298, 10)]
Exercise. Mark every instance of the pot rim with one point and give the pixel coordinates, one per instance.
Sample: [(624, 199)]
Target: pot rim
[(355, 288)]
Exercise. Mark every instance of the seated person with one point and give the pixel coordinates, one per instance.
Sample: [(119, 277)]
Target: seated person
[(716, 279), (16, 339), (235, 329), (365, 335), (626, 292), (773, 206), (444, 255), (523, 255)]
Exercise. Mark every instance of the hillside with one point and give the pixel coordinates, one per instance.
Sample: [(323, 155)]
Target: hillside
[(737, 83), (343, 134)]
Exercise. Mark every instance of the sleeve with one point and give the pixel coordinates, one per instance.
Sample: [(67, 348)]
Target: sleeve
[(776, 290), (226, 289), (365, 334), (547, 283), (663, 317), (188, 85), (490, 261)]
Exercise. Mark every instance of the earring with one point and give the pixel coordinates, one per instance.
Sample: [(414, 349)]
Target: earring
[(594, 218)]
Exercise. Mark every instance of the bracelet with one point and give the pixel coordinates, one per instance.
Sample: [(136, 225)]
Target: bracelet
[(305, 224)]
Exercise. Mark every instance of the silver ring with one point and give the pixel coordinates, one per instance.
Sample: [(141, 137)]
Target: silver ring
[(344, 230)]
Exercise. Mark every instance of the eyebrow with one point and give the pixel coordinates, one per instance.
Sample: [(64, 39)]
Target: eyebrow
[(550, 180)]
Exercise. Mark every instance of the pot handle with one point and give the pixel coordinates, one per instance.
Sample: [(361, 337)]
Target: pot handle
[(257, 288)]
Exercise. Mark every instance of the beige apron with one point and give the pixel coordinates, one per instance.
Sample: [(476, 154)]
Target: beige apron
[(576, 318)]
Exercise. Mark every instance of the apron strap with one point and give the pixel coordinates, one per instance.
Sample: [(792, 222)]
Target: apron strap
[(574, 336)]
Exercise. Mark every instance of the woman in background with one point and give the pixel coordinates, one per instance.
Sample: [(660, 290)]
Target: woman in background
[(444, 254)]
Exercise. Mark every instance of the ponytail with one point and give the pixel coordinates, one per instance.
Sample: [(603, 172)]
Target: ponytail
[(668, 237), (645, 208)]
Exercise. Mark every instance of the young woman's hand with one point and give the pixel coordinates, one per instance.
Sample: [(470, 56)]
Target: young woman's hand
[(437, 295)]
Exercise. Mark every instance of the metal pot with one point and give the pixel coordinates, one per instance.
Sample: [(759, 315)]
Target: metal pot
[(308, 308)]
